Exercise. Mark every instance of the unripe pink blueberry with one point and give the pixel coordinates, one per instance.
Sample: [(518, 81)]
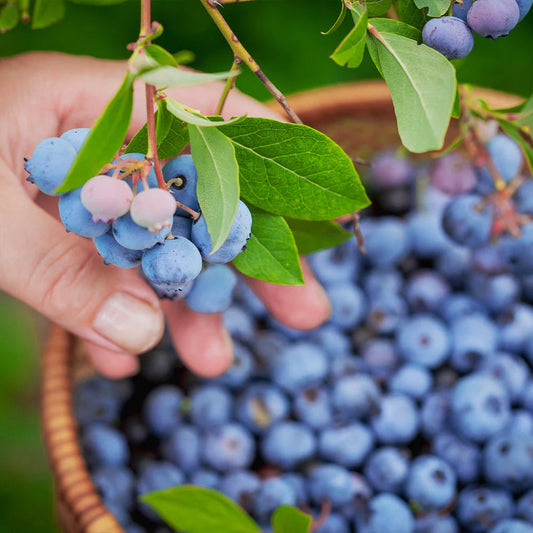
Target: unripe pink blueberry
[(153, 209), (106, 198)]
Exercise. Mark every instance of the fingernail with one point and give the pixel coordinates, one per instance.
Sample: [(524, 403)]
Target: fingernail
[(132, 324)]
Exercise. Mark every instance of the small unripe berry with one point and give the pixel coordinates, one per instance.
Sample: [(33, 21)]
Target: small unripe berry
[(106, 198), (153, 209)]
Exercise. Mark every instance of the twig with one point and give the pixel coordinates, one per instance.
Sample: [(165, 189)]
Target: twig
[(242, 54), (222, 2), (230, 83)]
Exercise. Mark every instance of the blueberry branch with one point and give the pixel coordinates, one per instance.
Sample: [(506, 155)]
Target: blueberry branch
[(242, 55), (230, 83)]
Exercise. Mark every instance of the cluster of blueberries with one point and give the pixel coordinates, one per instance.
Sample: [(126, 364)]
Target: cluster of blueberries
[(410, 411), (135, 223), (452, 35)]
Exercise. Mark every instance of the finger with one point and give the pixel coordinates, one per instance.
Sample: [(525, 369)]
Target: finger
[(112, 364), (300, 307), (201, 341), (61, 276)]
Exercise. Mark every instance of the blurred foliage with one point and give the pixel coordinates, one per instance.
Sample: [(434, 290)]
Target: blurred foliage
[(285, 38)]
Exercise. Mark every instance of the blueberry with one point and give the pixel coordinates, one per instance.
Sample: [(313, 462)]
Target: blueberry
[(474, 339), (115, 484), (287, 444), (182, 447), (467, 221), (249, 301), (412, 380), (512, 526), (515, 328), (385, 313), (271, 494), (496, 293), (337, 264), (229, 447), (240, 370), (77, 219), (397, 420), (331, 482), (511, 370), (493, 18), (261, 405), (426, 290), (241, 486), (183, 171), (206, 478), (424, 339), (481, 508), (335, 523), (119, 512), (76, 137), (115, 254), (460, 304), (346, 365), (176, 262), (211, 406), (181, 227), (507, 461), (524, 6), (524, 507), (383, 281), (390, 169), (135, 237), (104, 446), (235, 242), (490, 260), (386, 469), (332, 340), (451, 37), (463, 456), (239, 323), (479, 407), (151, 178), (162, 409), (454, 263), (451, 173), (461, 11), (381, 357), (386, 240), (426, 235), (435, 413), (299, 365), (313, 407), (347, 445), (50, 164), (355, 396), (433, 523), (212, 290), (297, 482), (348, 304), (96, 400), (431, 482), (387, 514)]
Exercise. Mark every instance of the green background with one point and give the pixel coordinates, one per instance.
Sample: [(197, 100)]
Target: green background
[(284, 37)]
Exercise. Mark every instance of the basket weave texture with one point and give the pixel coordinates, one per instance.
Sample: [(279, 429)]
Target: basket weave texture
[(359, 116)]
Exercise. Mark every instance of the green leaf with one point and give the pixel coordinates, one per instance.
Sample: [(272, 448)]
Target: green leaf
[(436, 8), (350, 51), (311, 236), (294, 170), (172, 135), (288, 519), (184, 57), (9, 17), (197, 510), (410, 14), (160, 55), (397, 27), (456, 111), (338, 22), (46, 12), (423, 87), (377, 8), (218, 180), (167, 76), (191, 116), (271, 254), (526, 119), (105, 139)]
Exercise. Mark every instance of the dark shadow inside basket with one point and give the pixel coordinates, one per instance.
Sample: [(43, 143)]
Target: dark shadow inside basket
[(359, 117)]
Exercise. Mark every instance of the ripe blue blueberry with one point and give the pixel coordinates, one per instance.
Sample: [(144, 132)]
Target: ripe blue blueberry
[(211, 406), (206, 478), (386, 240), (183, 171), (76, 137), (162, 409), (464, 457), (387, 514), (426, 235), (412, 380), (390, 169), (104, 446), (212, 290), (450, 36), (241, 370), (235, 242), (347, 445), (115, 484), (341, 263), (313, 407), (512, 526), (241, 486), (385, 313), (348, 304), (331, 482), (355, 396), (182, 447), (135, 237), (426, 290), (228, 447), (272, 493), (77, 219), (493, 18), (396, 420), (386, 469), (461, 11)]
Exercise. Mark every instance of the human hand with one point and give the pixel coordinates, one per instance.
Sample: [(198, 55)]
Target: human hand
[(59, 274)]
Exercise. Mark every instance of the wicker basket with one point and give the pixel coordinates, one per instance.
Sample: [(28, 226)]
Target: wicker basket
[(358, 116)]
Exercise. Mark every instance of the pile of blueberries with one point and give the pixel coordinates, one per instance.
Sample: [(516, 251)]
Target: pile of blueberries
[(135, 226), (452, 35), (410, 411)]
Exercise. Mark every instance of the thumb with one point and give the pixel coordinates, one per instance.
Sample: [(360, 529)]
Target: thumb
[(61, 276)]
